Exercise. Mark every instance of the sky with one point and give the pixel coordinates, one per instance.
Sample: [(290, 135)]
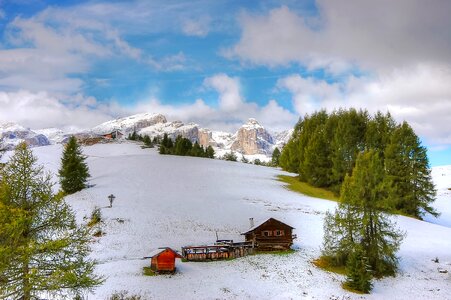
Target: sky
[(218, 63)]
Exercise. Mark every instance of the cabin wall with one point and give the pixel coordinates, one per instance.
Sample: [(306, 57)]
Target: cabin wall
[(271, 236)]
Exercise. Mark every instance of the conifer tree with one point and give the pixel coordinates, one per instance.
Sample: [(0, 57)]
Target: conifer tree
[(74, 171), (42, 249), (210, 153), (408, 179), (358, 274), (275, 157), (359, 220)]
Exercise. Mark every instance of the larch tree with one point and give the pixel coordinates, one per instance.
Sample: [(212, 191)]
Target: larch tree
[(42, 249), (359, 220), (74, 171), (408, 179)]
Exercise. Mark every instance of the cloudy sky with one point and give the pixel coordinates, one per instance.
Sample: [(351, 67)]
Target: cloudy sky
[(217, 63)]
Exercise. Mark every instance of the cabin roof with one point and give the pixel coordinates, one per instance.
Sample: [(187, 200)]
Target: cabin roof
[(264, 222), (158, 251)]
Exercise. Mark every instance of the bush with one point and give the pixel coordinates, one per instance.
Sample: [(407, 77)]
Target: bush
[(123, 295), (96, 217), (231, 156)]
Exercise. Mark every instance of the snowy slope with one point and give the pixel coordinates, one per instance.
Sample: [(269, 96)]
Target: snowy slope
[(176, 201)]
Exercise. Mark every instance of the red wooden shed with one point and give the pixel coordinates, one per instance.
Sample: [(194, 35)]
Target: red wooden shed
[(163, 259)]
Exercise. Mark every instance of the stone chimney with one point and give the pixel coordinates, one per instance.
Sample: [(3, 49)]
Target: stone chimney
[(251, 222)]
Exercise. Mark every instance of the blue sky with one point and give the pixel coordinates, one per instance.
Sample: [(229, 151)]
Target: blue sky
[(217, 63)]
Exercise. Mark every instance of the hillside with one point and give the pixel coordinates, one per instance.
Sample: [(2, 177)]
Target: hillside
[(176, 201)]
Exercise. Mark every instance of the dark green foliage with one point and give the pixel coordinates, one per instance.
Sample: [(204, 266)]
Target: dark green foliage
[(230, 156), (184, 147), (209, 152), (74, 171), (257, 162), (408, 179), (96, 217), (359, 223), (133, 136), (275, 157), (324, 148), (244, 160), (147, 141), (358, 274), (42, 249)]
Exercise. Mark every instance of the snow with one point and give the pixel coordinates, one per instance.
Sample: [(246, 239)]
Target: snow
[(172, 201)]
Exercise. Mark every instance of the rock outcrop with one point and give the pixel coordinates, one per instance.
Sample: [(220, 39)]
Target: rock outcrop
[(12, 134), (252, 138)]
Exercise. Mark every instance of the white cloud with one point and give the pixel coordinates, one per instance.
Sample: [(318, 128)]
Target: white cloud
[(420, 95), (169, 63), (196, 27), (228, 89), (41, 110), (372, 34)]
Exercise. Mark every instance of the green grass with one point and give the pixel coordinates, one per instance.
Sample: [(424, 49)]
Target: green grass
[(323, 263), (306, 189), (350, 289), (149, 272)]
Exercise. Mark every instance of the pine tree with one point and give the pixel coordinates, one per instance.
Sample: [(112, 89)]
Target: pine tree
[(42, 249), (210, 153), (275, 157), (359, 220), (358, 274), (74, 171), (408, 179)]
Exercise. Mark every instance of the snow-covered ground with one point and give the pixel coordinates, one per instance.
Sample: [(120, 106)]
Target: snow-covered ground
[(176, 201)]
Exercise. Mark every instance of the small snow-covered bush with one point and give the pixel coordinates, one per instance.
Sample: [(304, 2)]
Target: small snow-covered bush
[(123, 295)]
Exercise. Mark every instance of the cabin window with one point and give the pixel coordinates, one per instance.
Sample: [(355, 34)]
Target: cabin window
[(279, 233), (267, 233)]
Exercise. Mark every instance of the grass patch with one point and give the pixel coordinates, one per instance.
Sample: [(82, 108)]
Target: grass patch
[(345, 286), (306, 189), (324, 264), (149, 272)]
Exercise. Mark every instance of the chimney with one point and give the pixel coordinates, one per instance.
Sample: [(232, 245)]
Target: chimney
[(251, 222)]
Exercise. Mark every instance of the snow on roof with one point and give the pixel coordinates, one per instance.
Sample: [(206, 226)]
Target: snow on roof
[(158, 251), (261, 223)]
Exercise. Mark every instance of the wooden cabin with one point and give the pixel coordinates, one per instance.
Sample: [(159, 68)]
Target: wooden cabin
[(163, 259), (116, 134), (271, 235)]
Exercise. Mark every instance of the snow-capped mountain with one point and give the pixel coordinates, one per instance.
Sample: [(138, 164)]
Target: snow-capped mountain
[(12, 134), (250, 139)]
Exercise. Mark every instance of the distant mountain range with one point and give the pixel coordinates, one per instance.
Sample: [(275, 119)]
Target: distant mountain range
[(250, 139)]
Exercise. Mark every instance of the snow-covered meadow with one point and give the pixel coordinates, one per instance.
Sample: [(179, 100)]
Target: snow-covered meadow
[(176, 201)]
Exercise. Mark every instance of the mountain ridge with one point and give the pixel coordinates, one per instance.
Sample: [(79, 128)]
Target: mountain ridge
[(250, 139)]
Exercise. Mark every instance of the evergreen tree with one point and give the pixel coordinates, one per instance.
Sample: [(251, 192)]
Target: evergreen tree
[(74, 171), (275, 157), (197, 150), (230, 156), (358, 274), (408, 179), (147, 141), (348, 141), (42, 249), (210, 153), (359, 220)]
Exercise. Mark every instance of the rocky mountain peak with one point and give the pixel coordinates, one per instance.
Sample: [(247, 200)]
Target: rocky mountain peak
[(252, 138)]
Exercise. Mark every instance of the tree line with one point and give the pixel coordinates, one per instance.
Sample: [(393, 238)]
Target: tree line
[(324, 149), (184, 147)]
